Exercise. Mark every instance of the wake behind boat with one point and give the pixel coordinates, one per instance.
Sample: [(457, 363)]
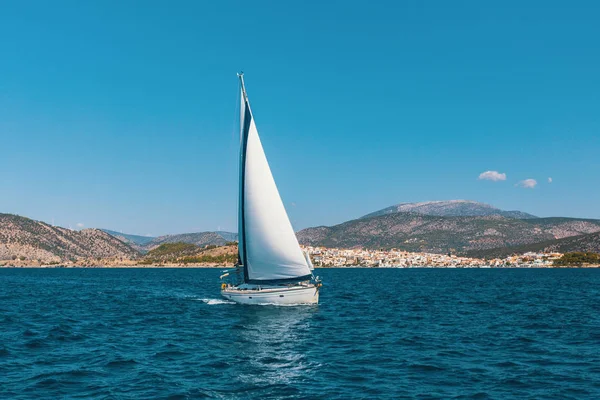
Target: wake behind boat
[(271, 267)]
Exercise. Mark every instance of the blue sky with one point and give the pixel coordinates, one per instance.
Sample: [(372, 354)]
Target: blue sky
[(121, 115)]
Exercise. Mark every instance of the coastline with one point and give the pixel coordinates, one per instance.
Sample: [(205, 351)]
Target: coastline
[(204, 266)]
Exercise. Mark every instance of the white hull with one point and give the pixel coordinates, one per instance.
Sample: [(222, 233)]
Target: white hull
[(273, 295)]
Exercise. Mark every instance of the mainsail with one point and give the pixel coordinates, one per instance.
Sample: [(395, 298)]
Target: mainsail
[(268, 247)]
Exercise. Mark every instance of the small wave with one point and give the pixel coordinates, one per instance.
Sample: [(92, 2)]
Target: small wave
[(61, 329), (121, 363), (178, 396), (77, 372), (34, 344), (46, 382), (212, 302), (29, 333), (426, 368), (270, 360), (171, 355), (217, 365)]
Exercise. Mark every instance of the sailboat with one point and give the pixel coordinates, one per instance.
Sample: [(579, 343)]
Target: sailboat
[(271, 266)]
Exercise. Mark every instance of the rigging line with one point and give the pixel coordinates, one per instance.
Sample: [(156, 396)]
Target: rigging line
[(236, 116), (234, 147), (236, 110), (233, 144)]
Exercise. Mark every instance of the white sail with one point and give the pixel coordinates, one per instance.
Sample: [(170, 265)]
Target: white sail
[(269, 249), (308, 262)]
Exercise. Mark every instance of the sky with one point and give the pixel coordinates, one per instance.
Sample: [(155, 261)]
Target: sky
[(123, 115)]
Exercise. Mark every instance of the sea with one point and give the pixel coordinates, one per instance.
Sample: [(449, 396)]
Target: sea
[(120, 333)]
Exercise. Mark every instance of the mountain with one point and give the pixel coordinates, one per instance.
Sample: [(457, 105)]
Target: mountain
[(586, 243), (441, 234), (144, 244), (450, 208), (229, 236), (130, 239), (27, 239), (199, 239)]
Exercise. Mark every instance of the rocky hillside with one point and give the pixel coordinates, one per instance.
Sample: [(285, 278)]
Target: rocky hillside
[(585, 243), (436, 234), (450, 208), (25, 239)]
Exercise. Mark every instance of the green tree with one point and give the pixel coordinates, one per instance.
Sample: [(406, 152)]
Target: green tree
[(577, 258)]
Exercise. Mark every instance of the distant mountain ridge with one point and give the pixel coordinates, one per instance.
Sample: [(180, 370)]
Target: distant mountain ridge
[(456, 226), (450, 208), (27, 239), (144, 244), (198, 238), (442, 234), (128, 238)]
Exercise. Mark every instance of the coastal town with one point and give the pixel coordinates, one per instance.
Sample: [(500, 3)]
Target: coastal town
[(339, 258)]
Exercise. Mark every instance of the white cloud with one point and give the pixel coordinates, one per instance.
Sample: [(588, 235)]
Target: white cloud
[(549, 180), (80, 225), (527, 183), (492, 176)]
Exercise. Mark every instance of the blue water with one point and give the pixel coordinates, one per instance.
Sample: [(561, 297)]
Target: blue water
[(393, 333)]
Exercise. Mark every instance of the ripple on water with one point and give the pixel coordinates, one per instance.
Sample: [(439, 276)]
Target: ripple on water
[(35, 344), (29, 333), (122, 363), (171, 355)]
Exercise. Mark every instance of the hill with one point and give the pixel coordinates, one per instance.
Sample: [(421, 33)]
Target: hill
[(186, 253), (25, 239), (582, 243), (439, 234), (199, 239), (143, 244), (173, 250), (450, 208), (229, 236), (136, 240)]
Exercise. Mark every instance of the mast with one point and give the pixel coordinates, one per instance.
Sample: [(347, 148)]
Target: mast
[(244, 95), (245, 117)]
